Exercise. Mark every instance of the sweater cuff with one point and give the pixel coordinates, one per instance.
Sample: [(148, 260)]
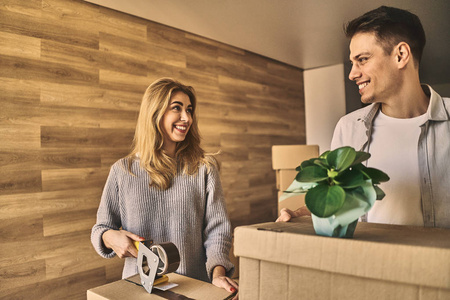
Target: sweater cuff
[(97, 242), (226, 263)]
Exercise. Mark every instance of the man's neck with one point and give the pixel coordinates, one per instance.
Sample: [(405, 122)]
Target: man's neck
[(410, 101)]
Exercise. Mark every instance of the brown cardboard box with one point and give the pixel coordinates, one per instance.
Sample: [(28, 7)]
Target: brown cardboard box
[(292, 203), (285, 158), (187, 287), (291, 156), (289, 261), (285, 178)]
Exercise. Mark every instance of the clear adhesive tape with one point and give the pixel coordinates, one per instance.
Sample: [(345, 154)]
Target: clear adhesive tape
[(169, 257)]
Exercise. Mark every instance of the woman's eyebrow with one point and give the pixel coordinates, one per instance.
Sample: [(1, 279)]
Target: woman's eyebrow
[(180, 103)]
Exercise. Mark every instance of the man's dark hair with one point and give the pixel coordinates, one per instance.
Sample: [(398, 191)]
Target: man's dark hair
[(391, 26)]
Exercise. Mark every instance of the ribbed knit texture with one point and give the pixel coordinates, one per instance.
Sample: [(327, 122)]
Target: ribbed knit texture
[(191, 214)]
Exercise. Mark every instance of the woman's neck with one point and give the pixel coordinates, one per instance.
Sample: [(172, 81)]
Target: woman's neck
[(170, 149)]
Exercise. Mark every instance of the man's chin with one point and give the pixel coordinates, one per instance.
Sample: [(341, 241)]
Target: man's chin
[(367, 100)]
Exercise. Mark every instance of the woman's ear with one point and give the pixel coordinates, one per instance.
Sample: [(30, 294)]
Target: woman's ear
[(403, 54)]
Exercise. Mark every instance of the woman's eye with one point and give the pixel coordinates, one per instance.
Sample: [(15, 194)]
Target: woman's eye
[(176, 107), (189, 110)]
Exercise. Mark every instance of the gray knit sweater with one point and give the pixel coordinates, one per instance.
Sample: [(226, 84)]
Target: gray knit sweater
[(191, 214)]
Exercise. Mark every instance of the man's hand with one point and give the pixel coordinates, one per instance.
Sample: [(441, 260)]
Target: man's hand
[(121, 242), (220, 280), (286, 214)]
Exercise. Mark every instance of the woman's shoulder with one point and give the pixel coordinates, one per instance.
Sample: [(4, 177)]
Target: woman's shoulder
[(209, 168), (210, 164), (211, 159), (123, 165), (120, 162)]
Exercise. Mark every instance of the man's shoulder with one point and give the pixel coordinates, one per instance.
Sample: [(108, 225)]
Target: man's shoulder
[(358, 114)]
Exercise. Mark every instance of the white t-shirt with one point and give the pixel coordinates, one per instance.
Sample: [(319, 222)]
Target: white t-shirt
[(393, 150)]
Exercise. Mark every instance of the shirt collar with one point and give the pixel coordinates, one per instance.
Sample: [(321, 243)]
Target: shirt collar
[(436, 110)]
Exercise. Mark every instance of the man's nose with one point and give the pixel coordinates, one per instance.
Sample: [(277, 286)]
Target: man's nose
[(355, 72)]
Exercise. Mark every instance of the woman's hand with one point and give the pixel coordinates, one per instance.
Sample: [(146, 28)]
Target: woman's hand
[(222, 281), (121, 242)]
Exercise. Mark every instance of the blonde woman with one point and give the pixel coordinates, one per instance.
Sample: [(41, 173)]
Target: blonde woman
[(167, 190)]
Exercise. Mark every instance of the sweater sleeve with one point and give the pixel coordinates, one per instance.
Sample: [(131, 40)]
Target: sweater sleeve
[(217, 230), (108, 215)]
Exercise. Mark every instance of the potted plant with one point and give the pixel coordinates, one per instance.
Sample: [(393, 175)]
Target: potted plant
[(339, 190)]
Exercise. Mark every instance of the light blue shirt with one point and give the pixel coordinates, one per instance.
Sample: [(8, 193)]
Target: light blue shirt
[(355, 130)]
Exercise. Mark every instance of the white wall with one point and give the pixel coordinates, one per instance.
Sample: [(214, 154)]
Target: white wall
[(324, 103)]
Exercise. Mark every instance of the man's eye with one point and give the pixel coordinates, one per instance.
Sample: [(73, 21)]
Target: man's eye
[(362, 59)]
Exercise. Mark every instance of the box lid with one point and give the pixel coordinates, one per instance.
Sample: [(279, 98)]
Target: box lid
[(291, 156), (412, 255), (188, 288)]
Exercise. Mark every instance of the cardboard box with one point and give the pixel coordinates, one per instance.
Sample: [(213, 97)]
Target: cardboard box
[(187, 287), (293, 203), (284, 178), (291, 156), (289, 261), (285, 158)]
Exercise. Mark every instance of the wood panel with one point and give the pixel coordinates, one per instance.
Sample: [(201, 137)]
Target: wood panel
[(72, 76)]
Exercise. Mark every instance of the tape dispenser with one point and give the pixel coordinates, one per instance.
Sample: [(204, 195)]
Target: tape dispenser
[(154, 261)]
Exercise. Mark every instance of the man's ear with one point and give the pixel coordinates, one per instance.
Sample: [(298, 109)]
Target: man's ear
[(403, 54)]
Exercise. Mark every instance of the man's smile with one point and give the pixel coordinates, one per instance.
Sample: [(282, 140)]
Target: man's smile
[(363, 84)]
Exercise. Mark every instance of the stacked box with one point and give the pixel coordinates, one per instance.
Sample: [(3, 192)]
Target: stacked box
[(285, 158), (289, 261)]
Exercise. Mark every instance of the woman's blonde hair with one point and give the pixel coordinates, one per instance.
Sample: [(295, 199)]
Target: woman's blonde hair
[(148, 139)]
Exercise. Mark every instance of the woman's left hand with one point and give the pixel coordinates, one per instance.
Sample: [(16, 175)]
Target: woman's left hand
[(222, 281)]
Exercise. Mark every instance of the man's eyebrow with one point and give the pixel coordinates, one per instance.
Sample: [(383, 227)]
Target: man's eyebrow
[(359, 55)]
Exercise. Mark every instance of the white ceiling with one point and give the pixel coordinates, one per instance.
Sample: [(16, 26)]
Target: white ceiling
[(304, 33)]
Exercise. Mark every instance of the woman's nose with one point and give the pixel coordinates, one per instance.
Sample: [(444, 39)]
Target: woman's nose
[(184, 115)]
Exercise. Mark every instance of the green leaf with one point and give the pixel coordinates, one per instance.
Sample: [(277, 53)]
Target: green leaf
[(321, 162), (341, 158), (376, 175), (362, 168), (325, 154), (311, 174), (297, 188), (353, 208), (306, 163), (360, 157), (323, 200), (332, 173), (380, 193), (365, 192), (350, 179), (359, 166)]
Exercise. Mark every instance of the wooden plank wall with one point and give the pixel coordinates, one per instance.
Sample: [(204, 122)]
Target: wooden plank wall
[(72, 75)]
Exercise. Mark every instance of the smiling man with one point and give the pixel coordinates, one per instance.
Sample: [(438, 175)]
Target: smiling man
[(406, 127)]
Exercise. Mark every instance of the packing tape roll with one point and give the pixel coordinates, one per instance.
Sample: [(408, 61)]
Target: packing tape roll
[(169, 257)]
